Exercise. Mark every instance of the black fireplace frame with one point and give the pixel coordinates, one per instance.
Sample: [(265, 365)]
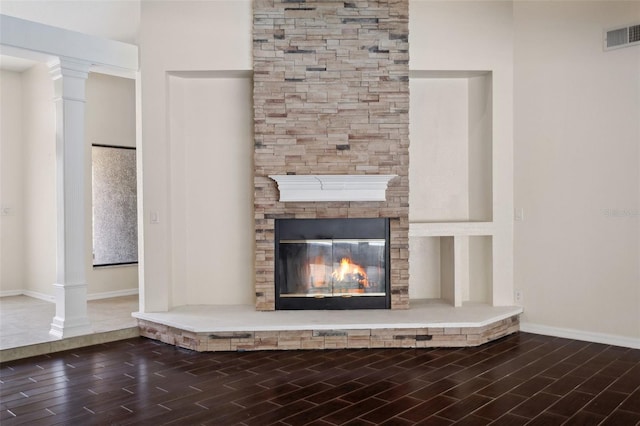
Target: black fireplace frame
[(327, 229)]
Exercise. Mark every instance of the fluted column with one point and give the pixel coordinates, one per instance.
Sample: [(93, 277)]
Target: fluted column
[(69, 78)]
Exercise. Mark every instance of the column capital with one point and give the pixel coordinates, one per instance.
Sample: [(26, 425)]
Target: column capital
[(66, 67), (69, 77)]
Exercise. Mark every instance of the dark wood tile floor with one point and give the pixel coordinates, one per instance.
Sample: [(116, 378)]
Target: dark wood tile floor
[(521, 379)]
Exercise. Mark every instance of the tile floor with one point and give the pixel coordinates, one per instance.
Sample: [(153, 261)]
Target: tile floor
[(26, 321), (520, 379)]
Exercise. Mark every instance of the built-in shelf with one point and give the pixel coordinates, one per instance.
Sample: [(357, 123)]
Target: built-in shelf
[(438, 229), (457, 268), (451, 202)]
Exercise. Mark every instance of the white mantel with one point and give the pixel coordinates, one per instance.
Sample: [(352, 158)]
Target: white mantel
[(332, 187)]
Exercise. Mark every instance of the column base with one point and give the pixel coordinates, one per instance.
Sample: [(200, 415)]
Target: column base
[(71, 311), (62, 328)]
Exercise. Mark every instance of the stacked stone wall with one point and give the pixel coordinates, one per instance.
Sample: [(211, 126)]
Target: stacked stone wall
[(331, 96)]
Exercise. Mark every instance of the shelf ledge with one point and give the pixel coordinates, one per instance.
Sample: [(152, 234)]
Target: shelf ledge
[(444, 229)]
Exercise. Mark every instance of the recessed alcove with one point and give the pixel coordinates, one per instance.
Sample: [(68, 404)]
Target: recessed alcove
[(451, 146), (451, 197), (455, 269)]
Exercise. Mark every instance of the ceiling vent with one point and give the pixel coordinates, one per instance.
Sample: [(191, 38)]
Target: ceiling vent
[(616, 38)]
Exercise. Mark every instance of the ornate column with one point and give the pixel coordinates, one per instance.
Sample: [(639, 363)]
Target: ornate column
[(69, 77)]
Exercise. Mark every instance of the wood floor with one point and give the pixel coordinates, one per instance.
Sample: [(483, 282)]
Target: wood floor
[(521, 379)]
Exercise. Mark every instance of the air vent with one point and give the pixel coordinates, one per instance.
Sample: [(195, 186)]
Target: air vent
[(616, 38), (634, 34)]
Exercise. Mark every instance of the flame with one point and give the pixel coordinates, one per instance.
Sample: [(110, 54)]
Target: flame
[(346, 277), (348, 271)]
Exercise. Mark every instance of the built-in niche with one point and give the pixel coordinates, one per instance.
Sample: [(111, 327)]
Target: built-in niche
[(451, 198), (451, 147), (456, 269)]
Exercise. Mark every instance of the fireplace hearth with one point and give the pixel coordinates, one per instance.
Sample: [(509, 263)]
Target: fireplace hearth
[(332, 264)]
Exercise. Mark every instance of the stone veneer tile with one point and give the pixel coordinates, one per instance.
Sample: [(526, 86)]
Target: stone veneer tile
[(330, 99), (315, 343), (330, 339), (358, 333), (357, 342)]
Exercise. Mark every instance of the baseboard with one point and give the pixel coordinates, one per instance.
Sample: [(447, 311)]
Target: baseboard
[(568, 333), (7, 293), (51, 298), (38, 295), (110, 294)]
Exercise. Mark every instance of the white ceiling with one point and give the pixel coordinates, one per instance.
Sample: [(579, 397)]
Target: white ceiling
[(10, 63), (113, 19)]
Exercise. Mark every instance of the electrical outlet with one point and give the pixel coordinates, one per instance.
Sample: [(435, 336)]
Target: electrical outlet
[(154, 217), (518, 297), (518, 214)]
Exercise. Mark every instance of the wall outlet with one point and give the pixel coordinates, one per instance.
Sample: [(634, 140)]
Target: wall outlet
[(518, 297), (518, 214), (154, 217)]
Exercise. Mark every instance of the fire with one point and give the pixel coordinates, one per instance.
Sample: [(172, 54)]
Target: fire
[(350, 272)]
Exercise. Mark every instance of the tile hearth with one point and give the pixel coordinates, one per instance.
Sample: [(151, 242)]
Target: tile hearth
[(428, 323)]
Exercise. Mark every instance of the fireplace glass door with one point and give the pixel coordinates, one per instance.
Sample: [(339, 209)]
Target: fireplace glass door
[(332, 264)]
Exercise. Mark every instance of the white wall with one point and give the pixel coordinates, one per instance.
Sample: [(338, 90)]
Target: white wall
[(480, 270), (577, 118), (439, 150), (182, 36), (11, 183), (110, 120), (451, 147), (480, 147), (39, 174), (211, 190)]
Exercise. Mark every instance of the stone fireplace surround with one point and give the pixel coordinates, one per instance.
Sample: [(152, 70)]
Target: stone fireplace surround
[(331, 97)]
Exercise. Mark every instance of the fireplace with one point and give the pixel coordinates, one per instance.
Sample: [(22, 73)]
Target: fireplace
[(332, 264)]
